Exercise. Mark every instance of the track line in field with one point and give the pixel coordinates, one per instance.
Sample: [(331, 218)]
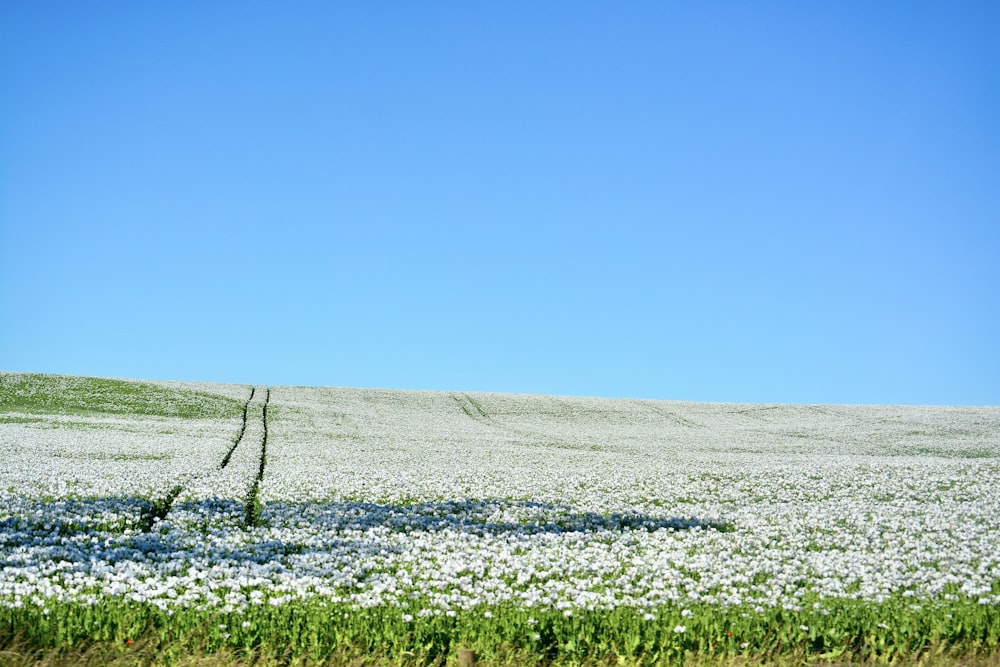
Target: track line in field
[(243, 430), (672, 416), (475, 411), (253, 507), (247, 440), (471, 408), (160, 508)]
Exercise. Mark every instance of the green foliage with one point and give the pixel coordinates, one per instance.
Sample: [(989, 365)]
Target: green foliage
[(842, 629), (35, 393)]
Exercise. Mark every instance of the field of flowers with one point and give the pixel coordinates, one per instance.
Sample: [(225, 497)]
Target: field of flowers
[(409, 523)]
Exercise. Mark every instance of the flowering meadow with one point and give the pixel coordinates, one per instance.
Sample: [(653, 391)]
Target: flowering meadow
[(313, 520)]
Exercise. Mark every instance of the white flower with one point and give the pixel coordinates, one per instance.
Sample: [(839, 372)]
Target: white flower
[(412, 539), (679, 629)]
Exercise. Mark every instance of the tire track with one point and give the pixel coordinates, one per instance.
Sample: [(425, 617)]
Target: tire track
[(159, 508), (253, 504), (472, 408), (237, 475), (475, 411), (758, 413), (243, 430), (672, 416)]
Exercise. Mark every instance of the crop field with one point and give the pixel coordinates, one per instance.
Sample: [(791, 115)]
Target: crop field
[(308, 524)]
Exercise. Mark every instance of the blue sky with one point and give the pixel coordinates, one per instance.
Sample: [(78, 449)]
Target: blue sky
[(765, 202)]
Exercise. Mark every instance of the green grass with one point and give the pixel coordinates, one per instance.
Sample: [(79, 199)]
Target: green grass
[(34, 393)]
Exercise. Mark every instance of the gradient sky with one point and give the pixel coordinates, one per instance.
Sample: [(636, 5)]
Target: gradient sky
[(747, 201)]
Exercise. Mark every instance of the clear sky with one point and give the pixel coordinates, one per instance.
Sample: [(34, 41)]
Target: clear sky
[(723, 201)]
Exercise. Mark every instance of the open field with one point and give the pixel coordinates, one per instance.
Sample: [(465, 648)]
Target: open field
[(396, 526)]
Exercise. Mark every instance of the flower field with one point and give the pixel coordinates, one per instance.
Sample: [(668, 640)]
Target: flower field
[(409, 523)]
